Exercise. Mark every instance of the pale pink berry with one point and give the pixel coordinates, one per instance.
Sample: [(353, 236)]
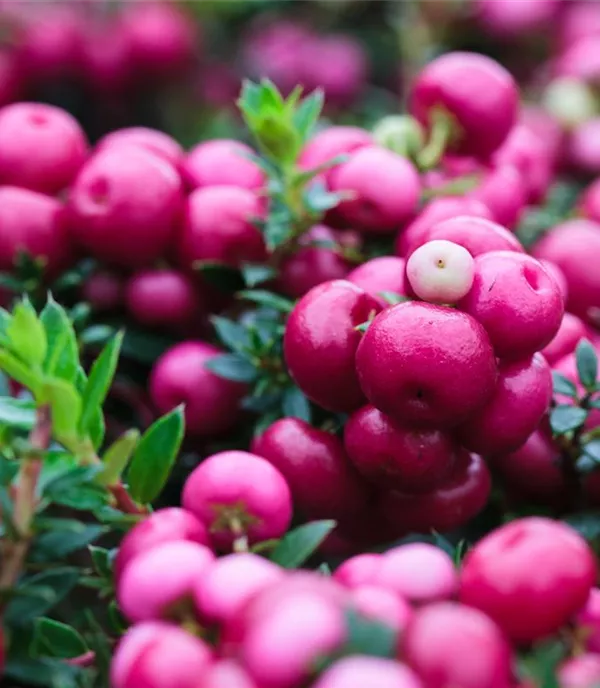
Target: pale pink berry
[(580, 672), (358, 672), (377, 603), (227, 673), (359, 570)]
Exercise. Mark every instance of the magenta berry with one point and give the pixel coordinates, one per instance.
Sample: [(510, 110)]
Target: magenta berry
[(582, 671), (572, 329), (227, 673), (515, 18), (222, 162), (396, 456), (380, 604), (426, 364), (104, 290), (180, 376), (583, 150), (158, 655), (320, 343), (332, 143), (443, 639), (151, 140), (42, 147), (498, 578), (125, 206), (589, 203), (588, 621), (322, 480), (237, 494), (383, 274), (478, 94), (358, 571), (503, 191), (559, 277), (158, 581), (362, 671), (517, 301)]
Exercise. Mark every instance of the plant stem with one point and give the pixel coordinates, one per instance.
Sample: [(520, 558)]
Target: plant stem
[(124, 501)]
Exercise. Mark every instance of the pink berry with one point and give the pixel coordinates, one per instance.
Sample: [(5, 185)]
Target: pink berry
[(418, 572), (477, 92), (156, 581), (559, 277), (106, 57), (332, 143), (125, 206), (104, 290), (441, 644), (589, 203), (396, 456), (580, 60), (41, 147), (151, 140), (220, 227), (235, 493), (426, 364), (377, 603), (517, 301), (372, 176), (155, 654), (165, 525), (357, 671), (378, 275), (35, 224), (321, 478), (503, 191), (515, 18), (440, 271), (588, 620), (230, 582), (522, 397), (163, 298), (358, 571), (222, 162), (180, 376), (579, 20), (320, 343), (498, 578), (582, 671), (11, 78), (226, 673), (583, 150), (572, 330)]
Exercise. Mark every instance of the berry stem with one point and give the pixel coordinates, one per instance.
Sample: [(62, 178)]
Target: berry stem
[(439, 137)]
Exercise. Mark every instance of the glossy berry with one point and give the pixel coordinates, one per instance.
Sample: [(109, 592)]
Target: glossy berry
[(517, 301), (332, 143), (227, 672), (572, 329), (382, 274), (502, 190), (320, 343), (426, 364), (235, 494), (359, 570), (222, 162), (380, 604), (397, 456), (497, 577), (180, 376), (356, 671), (151, 140), (42, 147)]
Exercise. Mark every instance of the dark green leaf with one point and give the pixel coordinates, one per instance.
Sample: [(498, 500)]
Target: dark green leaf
[(561, 385), (83, 498), (277, 230), (223, 277), (6, 508), (96, 335), (62, 357), (586, 523), (232, 367), (5, 318), (143, 346), (117, 621), (59, 581), (101, 558), (587, 363), (366, 637), (300, 544), (58, 639), (324, 569), (155, 455), (8, 470), (267, 299), (26, 334), (566, 418), (540, 667), (44, 672), (233, 335), (296, 405), (55, 544), (307, 114), (363, 327), (256, 274), (17, 413), (97, 428)]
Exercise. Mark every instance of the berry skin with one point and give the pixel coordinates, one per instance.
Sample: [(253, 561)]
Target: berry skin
[(583, 150), (385, 190), (125, 206), (104, 290), (497, 577), (418, 572), (331, 143), (379, 604), (559, 277), (320, 343), (510, 20), (180, 376), (479, 94), (358, 571), (227, 673), (358, 671), (377, 275), (572, 330), (517, 301), (321, 478), (522, 397), (156, 581), (151, 140), (163, 526), (442, 641), (222, 162), (155, 654), (582, 671), (440, 271), (219, 227), (589, 203), (426, 364), (396, 456), (42, 147), (237, 491), (502, 190), (35, 223)]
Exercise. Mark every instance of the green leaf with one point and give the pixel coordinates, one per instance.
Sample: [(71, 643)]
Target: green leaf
[(99, 381), (83, 498), (155, 455), (223, 277), (300, 544), (566, 418), (57, 582), (256, 274), (5, 318), (587, 363), (44, 671), (232, 367), (318, 198), (592, 449), (18, 371), (540, 667), (296, 405), (101, 559), (366, 637), (8, 469), (55, 544), (393, 298), (307, 114), (143, 346), (58, 639), (62, 356), (561, 385), (26, 334), (65, 405), (233, 335), (17, 413), (267, 299), (363, 327), (586, 523), (117, 457)]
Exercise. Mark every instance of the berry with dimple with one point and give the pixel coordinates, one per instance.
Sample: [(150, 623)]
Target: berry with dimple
[(358, 670), (426, 364), (238, 494), (222, 162), (382, 274), (517, 301), (497, 577), (321, 340), (151, 140)]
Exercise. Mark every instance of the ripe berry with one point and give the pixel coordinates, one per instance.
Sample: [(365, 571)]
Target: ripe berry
[(358, 571), (151, 140), (42, 147), (155, 654), (588, 621), (517, 301), (238, 494), (125, 206), (313, 462), (104, 290), (426, 364), (572, 329), (332, 143), (513, 19), (559, 277), (356, 671), (582, 671), (583, 151), (396, 456), (498, 578), (226, 673), (320, 343), (222, 162), (450, 645), (383, 605), (378, 275), (180, 376), (502, 190), (589, 203)]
